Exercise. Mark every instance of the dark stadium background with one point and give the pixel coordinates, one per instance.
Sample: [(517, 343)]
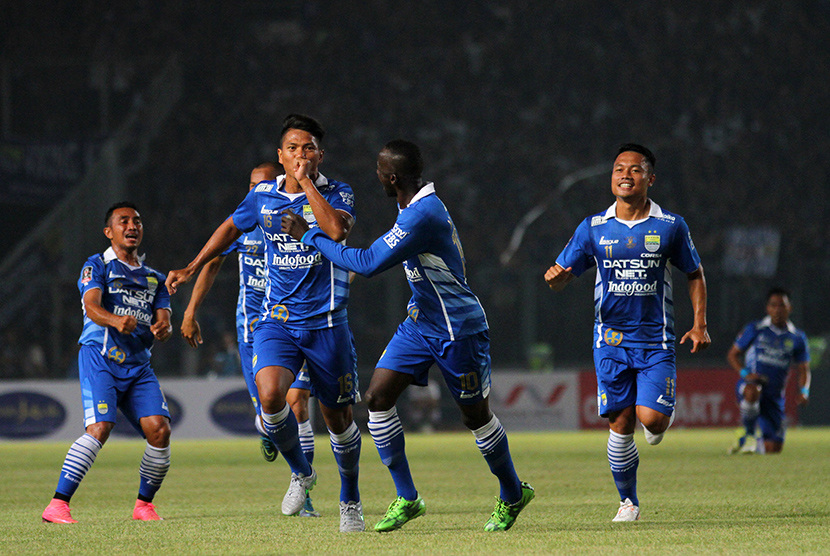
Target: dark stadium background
[(171, 105)]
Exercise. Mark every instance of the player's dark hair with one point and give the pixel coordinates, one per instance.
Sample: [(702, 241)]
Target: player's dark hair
[(634, 147), (116, 206), (304, 123), (777, 290), (405, 158)]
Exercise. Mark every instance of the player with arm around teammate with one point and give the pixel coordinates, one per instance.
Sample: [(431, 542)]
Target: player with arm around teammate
[(633, 244), (250, 249), (304, 313), (126, 308), (446, 326), (763, 354)]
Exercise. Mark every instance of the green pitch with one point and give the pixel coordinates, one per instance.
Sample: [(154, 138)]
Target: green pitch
[(221, 497)]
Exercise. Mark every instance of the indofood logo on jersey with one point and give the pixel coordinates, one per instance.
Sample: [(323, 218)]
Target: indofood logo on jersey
[(632, 288), (294, 262), (652, 243)]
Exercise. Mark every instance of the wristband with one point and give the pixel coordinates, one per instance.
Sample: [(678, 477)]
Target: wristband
[(805, 391), (744, 372)]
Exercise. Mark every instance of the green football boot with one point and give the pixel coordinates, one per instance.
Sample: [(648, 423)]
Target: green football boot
[(504, 515), (399, 513)]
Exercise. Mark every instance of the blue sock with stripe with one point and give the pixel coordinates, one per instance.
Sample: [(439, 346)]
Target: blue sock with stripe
[(492, 443), (624, 460), (307, 440), (78, 460), (283, 431), (387, 432), (152, 471), (346, 448)]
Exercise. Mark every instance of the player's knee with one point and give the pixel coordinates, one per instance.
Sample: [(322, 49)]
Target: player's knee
[(378, 401), (158, 433), (100, 431)]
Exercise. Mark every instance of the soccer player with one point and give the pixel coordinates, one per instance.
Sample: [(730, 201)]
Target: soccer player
[(304, 312), (763, 354), (633, 244), (446, 326), (250, 248), (125, 309)]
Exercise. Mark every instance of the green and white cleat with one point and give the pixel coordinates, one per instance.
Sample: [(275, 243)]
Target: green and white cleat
[(504, 515), (399, 513), (268, 449)]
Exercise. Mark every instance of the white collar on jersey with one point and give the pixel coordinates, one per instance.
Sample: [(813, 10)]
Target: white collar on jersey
[(428, 189), (768, 323), (109, 255), (320, 182), (653, 210)]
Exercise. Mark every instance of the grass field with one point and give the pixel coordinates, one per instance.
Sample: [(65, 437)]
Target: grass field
[(220, 497)]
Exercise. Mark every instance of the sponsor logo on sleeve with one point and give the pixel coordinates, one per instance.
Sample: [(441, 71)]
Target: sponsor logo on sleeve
[(86, 275), (348, 198), (394, 236)]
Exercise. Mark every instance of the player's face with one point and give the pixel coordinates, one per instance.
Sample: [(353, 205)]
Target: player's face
[(261, 174), (299, 144), (125, 229), (631, 176), (385, 173), (779, 309)]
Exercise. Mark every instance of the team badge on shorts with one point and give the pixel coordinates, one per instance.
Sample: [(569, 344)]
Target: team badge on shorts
[(613, 338), (652, 243), (103, 408)]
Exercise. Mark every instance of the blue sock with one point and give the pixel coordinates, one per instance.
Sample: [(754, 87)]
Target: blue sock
[(151, 472), (346, 448), (387, 432), (624, 459), (78, 460), (283, 431), (749, 416), (307, 440), (492, 443)]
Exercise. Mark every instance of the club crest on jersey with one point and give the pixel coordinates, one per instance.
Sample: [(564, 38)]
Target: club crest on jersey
[(279, 312), (652, 243), (613, 338), (630, 242), (152, 284), (308, 214), (86, 275), (103, 408), (116, 355)]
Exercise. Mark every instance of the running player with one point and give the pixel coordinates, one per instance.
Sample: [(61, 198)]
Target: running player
[(304, 313), (125, 309), (633, 243), (763, 354), (446, 326), (250, 249)]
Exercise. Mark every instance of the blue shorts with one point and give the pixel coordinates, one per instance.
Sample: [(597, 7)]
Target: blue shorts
[(246, 356), (635, 376), (107, 386), (465, 363), (329, 354), (771, 418)]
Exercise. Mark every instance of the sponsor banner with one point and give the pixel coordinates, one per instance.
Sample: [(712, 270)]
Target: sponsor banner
[(535, 401), (705, 398)]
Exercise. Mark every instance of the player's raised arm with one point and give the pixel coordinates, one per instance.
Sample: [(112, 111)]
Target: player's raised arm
[(698, 335), (221, 239), (190, 329)]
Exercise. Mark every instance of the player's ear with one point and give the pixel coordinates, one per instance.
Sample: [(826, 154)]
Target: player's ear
[(322, 152), (108, 232)]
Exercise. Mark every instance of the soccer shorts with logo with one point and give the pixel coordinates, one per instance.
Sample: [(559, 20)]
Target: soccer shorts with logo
[(246, 356), (465, 363), (635, 376), (107, 386), (329, 354)]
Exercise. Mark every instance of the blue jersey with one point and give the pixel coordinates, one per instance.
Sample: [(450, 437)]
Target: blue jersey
[(125, 290), (304, 290), (633, 291), (253, 280), (425, 240), (771, 351)]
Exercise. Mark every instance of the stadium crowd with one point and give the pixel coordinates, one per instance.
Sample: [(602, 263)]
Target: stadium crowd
[(506, 99)]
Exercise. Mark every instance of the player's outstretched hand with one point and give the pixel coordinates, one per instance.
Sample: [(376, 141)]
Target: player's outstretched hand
[(176, 278), (699, 338), (191, 331), (293, 224), (558, 277)]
